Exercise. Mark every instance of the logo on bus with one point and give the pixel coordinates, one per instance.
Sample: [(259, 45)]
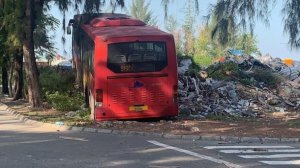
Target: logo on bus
[(138, 84)]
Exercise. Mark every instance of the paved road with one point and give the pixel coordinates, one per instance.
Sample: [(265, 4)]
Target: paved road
[(24, 146)]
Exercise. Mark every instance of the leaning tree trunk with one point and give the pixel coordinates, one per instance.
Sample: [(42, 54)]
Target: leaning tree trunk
[(19, 83), (5, 89), (34, 95), (10, 78)]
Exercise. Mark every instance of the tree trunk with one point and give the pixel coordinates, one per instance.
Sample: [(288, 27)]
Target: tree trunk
[(4, 80), (19, 83), (79, 80), (34, 95), (10, 78)]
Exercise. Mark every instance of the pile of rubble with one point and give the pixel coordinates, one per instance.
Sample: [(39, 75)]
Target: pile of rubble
[(291, 72), (201, 96)]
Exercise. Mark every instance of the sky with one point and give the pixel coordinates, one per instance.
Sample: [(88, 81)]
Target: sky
[(271, 39)]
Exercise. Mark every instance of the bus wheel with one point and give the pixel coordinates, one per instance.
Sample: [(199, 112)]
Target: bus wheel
[(92, 106)]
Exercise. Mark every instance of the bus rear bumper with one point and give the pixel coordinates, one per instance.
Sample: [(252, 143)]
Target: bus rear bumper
[(104, 114)]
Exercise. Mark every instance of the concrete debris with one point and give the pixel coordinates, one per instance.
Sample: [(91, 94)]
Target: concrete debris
[(291, 72), (201, 96), (71, 114), (195, 129), (184, 65)]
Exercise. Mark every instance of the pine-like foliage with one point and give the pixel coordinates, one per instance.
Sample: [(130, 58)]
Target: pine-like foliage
[(234, 14), (140, 10), (188, 28), (291, 19), (231, 15), (24, 21)]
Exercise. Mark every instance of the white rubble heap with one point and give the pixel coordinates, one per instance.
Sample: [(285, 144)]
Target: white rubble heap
[(290, 72), (200, 98)]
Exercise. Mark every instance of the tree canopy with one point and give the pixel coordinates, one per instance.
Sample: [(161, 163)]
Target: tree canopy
[(234, 14), (22, 21), (140, 10)]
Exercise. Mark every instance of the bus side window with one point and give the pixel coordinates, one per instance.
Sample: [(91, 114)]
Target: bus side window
[(136, 57), (161, 52), (122, 58), (117, 59), (150, 57)]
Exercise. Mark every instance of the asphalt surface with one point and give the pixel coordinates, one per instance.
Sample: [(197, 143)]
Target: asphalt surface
[(25, 146)]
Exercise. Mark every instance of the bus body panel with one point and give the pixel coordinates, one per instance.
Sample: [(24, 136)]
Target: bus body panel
[(155, 90), (131, 95)]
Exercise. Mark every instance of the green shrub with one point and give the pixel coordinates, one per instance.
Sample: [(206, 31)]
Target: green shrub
[(223, 71), (266, 76), (194, 68), (52, 81), (58, 89), (64, 102), (248, 81), (203, 60), (232, 71)]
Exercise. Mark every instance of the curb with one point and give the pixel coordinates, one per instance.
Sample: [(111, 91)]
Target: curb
[(222, 138)]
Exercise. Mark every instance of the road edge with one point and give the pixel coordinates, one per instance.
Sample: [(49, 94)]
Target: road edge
[(221, 138)]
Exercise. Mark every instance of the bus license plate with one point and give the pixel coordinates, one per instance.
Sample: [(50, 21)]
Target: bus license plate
[(138, 108)]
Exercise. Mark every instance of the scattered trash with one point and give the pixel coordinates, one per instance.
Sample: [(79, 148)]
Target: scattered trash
[(59, 123), (184, 65), (201, 95), (71, 114), (195, 129)]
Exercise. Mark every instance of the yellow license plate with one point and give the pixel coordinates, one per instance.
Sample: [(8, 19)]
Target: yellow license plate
[(138, 108)]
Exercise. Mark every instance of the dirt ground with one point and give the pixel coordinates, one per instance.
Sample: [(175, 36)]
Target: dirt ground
[(277, 124)]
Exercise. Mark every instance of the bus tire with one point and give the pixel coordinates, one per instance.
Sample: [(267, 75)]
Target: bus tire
[(92, 106)]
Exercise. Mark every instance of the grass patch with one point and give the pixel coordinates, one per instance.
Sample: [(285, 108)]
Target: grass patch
[(80, 119), (294, 123)]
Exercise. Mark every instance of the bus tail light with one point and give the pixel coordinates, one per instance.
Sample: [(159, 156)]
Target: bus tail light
[(99, 98), (175, 93)]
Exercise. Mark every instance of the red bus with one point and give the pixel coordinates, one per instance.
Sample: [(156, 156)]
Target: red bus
[(127, 69)]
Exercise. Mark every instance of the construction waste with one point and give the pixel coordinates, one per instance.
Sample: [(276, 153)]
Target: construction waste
[(240, 86), (290, 72)]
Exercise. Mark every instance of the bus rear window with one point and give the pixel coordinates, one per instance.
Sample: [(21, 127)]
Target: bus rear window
[(134, 57)]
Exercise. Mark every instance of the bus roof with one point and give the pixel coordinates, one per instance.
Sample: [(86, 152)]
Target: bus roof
[(107, 26), (106, 33)]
